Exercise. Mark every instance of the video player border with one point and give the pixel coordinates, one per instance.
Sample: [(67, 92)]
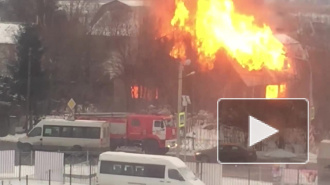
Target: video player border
[(278, 163)]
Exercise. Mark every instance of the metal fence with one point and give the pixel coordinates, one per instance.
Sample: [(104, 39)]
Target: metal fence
[(216, 174), (81, 168), (47, 167)]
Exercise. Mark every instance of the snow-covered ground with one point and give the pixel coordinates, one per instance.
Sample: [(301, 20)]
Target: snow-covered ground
[(12, 138), (236, 181), (225, 180), (77, 169), (32, 182), (211, 175)]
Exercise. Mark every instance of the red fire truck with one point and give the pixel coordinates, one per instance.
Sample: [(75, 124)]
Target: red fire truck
[(154, 133)]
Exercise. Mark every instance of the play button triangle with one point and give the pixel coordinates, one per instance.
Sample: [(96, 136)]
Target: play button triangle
[(259, 131)]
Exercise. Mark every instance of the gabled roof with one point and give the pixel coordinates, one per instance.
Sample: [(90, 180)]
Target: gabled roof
[(101, 23), (266, 77), (262, 77)]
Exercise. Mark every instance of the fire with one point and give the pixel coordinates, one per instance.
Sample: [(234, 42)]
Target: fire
[(215, 25), (282, 88), (272, 91), (275, 91)]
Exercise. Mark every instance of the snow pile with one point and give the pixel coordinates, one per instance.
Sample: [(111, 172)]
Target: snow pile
[(312, 158), (8, 32), (12, 138)]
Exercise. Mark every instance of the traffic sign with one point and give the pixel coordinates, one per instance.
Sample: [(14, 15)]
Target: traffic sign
[(181, 119), (71, 104), (185, 100)]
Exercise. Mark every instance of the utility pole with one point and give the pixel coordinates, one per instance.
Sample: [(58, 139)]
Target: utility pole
[(185, 133), (179, 110), (28, 116)]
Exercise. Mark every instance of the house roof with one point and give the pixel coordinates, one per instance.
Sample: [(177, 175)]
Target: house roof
[(8, 32), (265, 77), (131, 3), (262, 77), (101, 23)]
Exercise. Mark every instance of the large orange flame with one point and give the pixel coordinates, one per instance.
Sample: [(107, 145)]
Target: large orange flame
[(216, 25)]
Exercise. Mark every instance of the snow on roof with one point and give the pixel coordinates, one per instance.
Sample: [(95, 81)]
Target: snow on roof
[(8, 32), (131, 157), (325, 141), (285, 39), (131, 3), (67, 122)]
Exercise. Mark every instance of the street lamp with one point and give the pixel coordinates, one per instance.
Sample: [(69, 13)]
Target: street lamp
[(191, 73), (181, 67)]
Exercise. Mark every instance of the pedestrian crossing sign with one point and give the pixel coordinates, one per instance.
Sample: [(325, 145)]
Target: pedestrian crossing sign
[(182, 119)]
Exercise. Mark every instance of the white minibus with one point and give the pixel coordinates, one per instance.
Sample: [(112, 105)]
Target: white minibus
[(65, 135), (140, 169)]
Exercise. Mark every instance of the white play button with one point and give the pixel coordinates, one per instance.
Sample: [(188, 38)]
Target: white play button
[(259, 131)]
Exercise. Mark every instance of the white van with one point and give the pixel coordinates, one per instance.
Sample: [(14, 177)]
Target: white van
[(127, 168), (61, 134)]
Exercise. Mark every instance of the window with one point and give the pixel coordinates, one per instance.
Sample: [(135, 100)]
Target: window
[(154, 171), (35, 132), (135, 123), (66, 132), (139, 171), (227, 148), (174, 174), (52, 131), (132, 169), (158, 123), (78, 132), (128, 170), (187, 173), (93, 133)]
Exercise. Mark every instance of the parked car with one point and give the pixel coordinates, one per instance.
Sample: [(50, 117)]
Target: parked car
[(227, 153)]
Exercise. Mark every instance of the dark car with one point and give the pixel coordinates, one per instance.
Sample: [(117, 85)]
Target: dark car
[(227, 153)]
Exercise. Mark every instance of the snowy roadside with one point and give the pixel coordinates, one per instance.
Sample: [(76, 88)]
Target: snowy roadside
[(12, 138), (225, 180), (34, 182), (77, 170)]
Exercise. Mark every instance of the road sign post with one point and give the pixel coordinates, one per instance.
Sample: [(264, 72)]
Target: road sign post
[(71, 105), (185, 102), (184, 135)]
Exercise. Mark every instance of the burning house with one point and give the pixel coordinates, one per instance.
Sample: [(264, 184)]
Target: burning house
[(265, 64), (293, 82)]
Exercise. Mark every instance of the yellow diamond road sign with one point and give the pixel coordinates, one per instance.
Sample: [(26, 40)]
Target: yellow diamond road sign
[(71, 104)]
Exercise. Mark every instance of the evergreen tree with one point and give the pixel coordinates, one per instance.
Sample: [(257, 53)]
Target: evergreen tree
[(29, 50)]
